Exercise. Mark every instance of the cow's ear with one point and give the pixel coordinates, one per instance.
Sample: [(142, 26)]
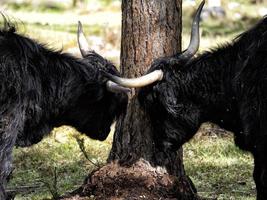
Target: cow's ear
[(83, 44)]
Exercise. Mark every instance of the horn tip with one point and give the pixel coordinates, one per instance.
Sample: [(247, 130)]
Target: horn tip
[(79, 26), (160, 75), (202, 4)]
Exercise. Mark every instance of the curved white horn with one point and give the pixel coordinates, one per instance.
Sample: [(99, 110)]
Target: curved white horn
[(142, 81), (194, 40), (83, 44)]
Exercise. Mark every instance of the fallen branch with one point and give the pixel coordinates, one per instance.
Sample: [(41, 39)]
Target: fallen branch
[(24, 189)]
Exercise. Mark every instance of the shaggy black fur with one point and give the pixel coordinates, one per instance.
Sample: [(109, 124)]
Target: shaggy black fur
[(41, 88), (227, 86)]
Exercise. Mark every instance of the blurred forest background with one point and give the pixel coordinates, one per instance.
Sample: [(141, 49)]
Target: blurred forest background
[(60, 163)]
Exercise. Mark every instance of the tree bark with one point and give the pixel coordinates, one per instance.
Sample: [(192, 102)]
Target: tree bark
[(136, 169), (150, 29)]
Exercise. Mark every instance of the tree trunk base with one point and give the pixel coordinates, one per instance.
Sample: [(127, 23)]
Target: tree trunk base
[(139, 181)]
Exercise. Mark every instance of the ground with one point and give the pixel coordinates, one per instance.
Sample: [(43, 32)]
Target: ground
[(218, 169), (140, 181), (60, 163)]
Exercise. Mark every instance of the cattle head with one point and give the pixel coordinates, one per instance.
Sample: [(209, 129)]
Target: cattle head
[(101, 100), (164, 95)]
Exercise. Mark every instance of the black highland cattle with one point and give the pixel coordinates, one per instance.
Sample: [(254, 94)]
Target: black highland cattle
[(226, 86), (42, 88)]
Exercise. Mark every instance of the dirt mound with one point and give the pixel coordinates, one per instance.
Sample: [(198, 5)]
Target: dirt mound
[(140, 181)]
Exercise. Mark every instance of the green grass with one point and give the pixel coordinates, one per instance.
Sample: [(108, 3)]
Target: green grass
[(219, 169), (60, 154), (55, 6), (40, 7)]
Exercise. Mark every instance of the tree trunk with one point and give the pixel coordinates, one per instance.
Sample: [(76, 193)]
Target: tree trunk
[(150, 29), (74, 3), (136, 169)]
